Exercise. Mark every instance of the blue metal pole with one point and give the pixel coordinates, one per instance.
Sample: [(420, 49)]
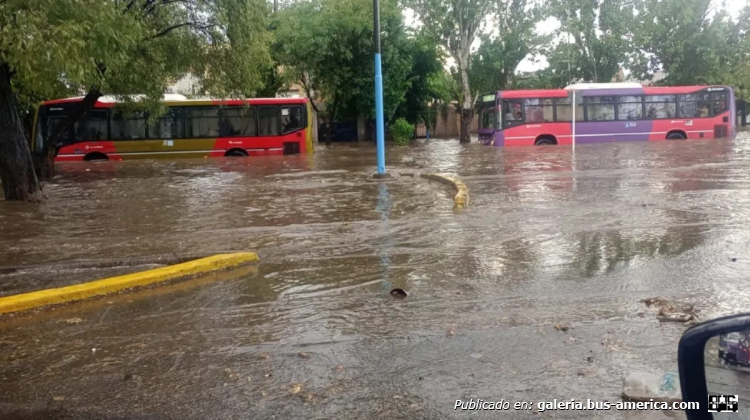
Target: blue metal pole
[(379, 123)]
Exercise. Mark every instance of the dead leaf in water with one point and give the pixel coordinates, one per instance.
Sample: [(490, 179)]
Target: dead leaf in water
[(561, 327), (264, 356), (304, 355), (58, 398), (73, 320)]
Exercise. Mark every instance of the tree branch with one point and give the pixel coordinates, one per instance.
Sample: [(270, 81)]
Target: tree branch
[(169, 29), (308, 92)]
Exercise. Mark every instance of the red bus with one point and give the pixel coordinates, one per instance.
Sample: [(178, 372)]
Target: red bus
[(190, 128), (607, 112)]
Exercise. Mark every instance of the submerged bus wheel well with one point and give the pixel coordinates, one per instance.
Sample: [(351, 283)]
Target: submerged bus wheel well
[(236, 152), (95, 156), (676, 135), (545, 140)]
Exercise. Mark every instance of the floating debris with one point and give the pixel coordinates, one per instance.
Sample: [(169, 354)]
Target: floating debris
[(339, 368), (451, 331), (647, 386), (686, 316), (399, 293), (304, 355), (670, 313), (561, 327), (655, 301), (296, 388), (74, 320)]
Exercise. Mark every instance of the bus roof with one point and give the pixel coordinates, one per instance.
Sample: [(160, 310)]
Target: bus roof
[(598, 89), (538, 93), (596, 86), (173, 99)]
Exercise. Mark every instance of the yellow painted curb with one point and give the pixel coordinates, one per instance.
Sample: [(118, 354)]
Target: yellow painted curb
[(117, 284), (461, 199)]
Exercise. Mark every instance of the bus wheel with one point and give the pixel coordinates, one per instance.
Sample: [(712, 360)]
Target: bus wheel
[(545, 141), (95, 156), (676, 135), (236, 153)]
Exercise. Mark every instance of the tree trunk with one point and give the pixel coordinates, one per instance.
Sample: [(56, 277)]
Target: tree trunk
[(467, 108), (16, 168), (50, 148), (467, 115), (330, 132)]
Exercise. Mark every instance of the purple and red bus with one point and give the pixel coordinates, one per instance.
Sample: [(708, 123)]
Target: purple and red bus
[(607, 112)]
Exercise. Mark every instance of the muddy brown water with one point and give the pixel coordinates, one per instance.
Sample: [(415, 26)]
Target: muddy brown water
[(551, 238)]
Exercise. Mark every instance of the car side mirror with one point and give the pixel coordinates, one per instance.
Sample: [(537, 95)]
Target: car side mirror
[(714, 366)]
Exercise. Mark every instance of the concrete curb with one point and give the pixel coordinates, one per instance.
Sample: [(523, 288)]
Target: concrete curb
[(190, 269), (461, 199), (164, 259)]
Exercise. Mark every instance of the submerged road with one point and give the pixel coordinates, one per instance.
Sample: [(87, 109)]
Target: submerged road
[(551, 238)]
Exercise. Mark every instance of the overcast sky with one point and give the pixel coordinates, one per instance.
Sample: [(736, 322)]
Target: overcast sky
[(734, 7)]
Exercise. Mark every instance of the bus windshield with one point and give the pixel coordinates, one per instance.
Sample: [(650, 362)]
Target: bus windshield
[(487, 118)]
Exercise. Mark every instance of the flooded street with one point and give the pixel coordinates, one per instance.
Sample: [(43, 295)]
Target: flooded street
[(551, 237)]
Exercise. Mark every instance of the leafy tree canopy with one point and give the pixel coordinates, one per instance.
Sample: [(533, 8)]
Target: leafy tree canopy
[(125, 47), (326, 45)]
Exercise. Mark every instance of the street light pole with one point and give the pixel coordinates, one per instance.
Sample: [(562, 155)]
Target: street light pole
[(379, 123)]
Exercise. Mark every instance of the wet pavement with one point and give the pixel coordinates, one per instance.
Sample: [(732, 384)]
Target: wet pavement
[(551, 238)]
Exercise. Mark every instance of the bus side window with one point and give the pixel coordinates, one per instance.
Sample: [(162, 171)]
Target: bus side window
[(93, 126), (513, 113), (51, 127), (694, 106), (600, 108), (168, 126), (128, 128), (292, 119), (661, 106), (202, 122), (719, 101), (564, 110), (239, 121), (268, 121)]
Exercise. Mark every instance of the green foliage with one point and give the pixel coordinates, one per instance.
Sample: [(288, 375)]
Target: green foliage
[(402, 131), (687, 41), (600, 33), (494, 63), (740, 72), (326, 46), (424, 77), (455, 24), (132, 47)]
